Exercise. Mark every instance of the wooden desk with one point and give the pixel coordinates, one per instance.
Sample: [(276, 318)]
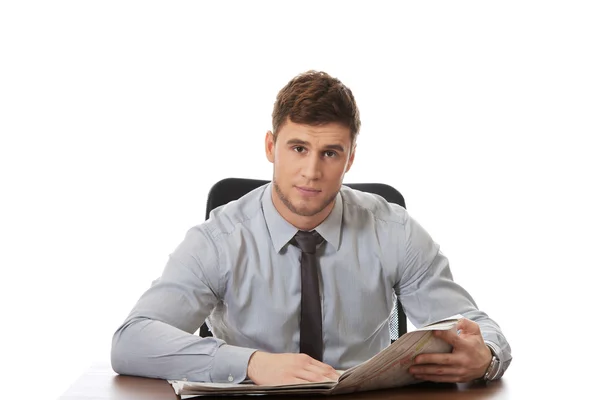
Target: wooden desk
[(102, 383)]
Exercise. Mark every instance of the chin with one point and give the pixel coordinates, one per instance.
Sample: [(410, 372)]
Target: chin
[(306, 213), (301, 208)]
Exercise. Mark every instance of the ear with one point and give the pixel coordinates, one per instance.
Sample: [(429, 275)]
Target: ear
[(270, 146), (351, 159)]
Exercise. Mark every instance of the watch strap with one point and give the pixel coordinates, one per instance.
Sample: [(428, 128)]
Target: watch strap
[(494, 367)]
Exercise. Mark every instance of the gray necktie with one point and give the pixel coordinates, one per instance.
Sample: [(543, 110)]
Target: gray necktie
[(311, 330)]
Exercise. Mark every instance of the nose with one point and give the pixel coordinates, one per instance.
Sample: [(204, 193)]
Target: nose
[(311, 170)]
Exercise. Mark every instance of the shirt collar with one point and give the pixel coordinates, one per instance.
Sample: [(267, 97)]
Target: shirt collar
[(282, 232)]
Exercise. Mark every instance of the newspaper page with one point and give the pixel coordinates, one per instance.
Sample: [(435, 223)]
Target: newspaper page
[(387, 369), (185, 388)]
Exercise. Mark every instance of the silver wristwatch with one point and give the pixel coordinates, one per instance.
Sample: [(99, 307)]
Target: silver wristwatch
[(493, 368)]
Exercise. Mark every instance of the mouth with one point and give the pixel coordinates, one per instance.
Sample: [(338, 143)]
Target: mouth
[(307, 191)]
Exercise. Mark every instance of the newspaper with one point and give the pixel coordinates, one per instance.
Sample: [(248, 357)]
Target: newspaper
[(387, 369)]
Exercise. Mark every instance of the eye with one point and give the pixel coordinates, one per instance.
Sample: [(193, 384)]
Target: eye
[(299, 149), (330, 154)]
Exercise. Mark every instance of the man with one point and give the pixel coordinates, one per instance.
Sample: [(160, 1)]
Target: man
[(249, 270)]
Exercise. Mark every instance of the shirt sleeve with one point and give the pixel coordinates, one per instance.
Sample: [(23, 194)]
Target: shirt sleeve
[(428, 292), (157, 339)]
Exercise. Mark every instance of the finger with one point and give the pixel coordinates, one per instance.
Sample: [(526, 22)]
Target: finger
[(431, 369), (449, 336), (437, 358), (324, 368), (311, 376), (441, 378), (334, 375), (327, 373), (296, 380), (319, 363)]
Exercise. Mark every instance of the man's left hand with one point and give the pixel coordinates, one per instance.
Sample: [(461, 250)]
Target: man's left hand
[(469, 359)]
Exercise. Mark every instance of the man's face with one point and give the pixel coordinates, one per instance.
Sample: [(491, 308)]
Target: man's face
[(309, 163)]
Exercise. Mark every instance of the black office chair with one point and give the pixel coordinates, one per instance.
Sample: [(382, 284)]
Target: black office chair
[(230, 189)]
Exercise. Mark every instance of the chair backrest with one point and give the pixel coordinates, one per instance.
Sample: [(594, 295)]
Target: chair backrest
[(230, 189)]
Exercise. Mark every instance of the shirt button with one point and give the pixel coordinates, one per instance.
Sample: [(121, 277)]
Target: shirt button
[(230, 378)]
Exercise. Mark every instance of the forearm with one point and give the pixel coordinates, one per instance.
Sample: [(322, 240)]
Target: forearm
[(150, 348), (428, 292)]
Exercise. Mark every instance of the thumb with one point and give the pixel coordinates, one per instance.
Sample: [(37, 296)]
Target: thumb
[(467, 327), (453, 336), (449, 336)]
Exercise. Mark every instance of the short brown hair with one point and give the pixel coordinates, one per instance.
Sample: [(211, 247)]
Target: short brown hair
[(316, 98)]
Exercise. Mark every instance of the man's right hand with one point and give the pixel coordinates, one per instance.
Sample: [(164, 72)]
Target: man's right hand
[(288, 368)]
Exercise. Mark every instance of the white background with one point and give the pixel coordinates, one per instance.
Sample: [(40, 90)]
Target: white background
[(117, 117)]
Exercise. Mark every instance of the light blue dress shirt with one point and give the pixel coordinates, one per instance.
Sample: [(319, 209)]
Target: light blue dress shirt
[(239, 270)]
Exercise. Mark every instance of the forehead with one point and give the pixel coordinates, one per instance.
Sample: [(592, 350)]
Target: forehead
[(317, 135)]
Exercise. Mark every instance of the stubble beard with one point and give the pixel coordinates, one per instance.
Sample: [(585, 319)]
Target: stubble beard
[(298, 211)]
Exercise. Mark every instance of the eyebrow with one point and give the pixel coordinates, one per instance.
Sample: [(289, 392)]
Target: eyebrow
[(299, 142)]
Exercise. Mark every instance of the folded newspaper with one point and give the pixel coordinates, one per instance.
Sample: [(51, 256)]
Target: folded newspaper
[(387, 369)]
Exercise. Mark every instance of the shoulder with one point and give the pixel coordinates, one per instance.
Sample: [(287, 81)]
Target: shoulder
[(227, 218), (368, 205), (205, 240)]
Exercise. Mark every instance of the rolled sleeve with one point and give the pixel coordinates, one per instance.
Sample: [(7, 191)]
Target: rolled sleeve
[(231, 364)]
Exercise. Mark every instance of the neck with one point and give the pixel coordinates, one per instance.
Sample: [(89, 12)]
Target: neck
[(300, 222)]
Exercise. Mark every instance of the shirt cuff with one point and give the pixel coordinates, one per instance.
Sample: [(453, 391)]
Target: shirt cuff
[(230, 364)]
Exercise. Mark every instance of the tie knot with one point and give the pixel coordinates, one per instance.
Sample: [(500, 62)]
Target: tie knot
[(307, 241)]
